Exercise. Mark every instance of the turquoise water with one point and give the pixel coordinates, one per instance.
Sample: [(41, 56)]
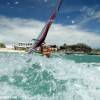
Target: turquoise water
[(61, 77)]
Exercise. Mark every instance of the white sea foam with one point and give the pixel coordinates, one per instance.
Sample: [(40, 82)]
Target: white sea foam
[(9, 91), (81, 80)]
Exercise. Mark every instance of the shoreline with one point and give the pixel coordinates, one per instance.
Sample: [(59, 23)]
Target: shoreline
[(11, 50), (23, 51)]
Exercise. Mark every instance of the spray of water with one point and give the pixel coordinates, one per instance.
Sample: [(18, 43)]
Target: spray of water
[(41, 78)]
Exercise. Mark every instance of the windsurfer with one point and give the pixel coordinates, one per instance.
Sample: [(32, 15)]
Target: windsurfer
[(39, 42), (45, 50)]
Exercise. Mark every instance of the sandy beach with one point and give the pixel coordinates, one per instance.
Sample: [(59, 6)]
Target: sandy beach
[(10, 50)]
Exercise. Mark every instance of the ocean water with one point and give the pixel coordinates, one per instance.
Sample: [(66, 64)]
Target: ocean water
[(61, 77)]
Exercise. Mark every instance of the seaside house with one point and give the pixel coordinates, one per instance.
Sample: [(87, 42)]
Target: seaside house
[(10, 46), (22, 46)]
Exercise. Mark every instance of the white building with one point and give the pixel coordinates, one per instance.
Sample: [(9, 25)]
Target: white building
[(22, 46), (9, 46)]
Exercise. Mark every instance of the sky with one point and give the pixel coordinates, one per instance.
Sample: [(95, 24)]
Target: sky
[(78, 21)]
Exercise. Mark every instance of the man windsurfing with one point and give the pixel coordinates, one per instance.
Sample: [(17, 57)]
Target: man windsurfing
[(41, 38)]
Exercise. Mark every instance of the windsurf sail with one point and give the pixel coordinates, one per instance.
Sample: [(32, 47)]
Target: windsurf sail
[(41, 38)]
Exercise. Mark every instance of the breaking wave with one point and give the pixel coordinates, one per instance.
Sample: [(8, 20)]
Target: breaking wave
[(55, 78)]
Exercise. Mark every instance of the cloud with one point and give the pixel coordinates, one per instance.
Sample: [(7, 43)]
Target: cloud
[(71, 35), (16, 29), (23, 30), (89, 19), (89, 14)]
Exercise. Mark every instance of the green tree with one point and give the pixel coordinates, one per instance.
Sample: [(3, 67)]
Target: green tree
[(2, 45)]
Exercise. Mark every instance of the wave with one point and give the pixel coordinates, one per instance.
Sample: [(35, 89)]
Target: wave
[(56, 78)]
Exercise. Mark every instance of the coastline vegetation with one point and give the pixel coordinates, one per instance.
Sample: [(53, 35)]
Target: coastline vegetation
[(2, 45), (79, 48)]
